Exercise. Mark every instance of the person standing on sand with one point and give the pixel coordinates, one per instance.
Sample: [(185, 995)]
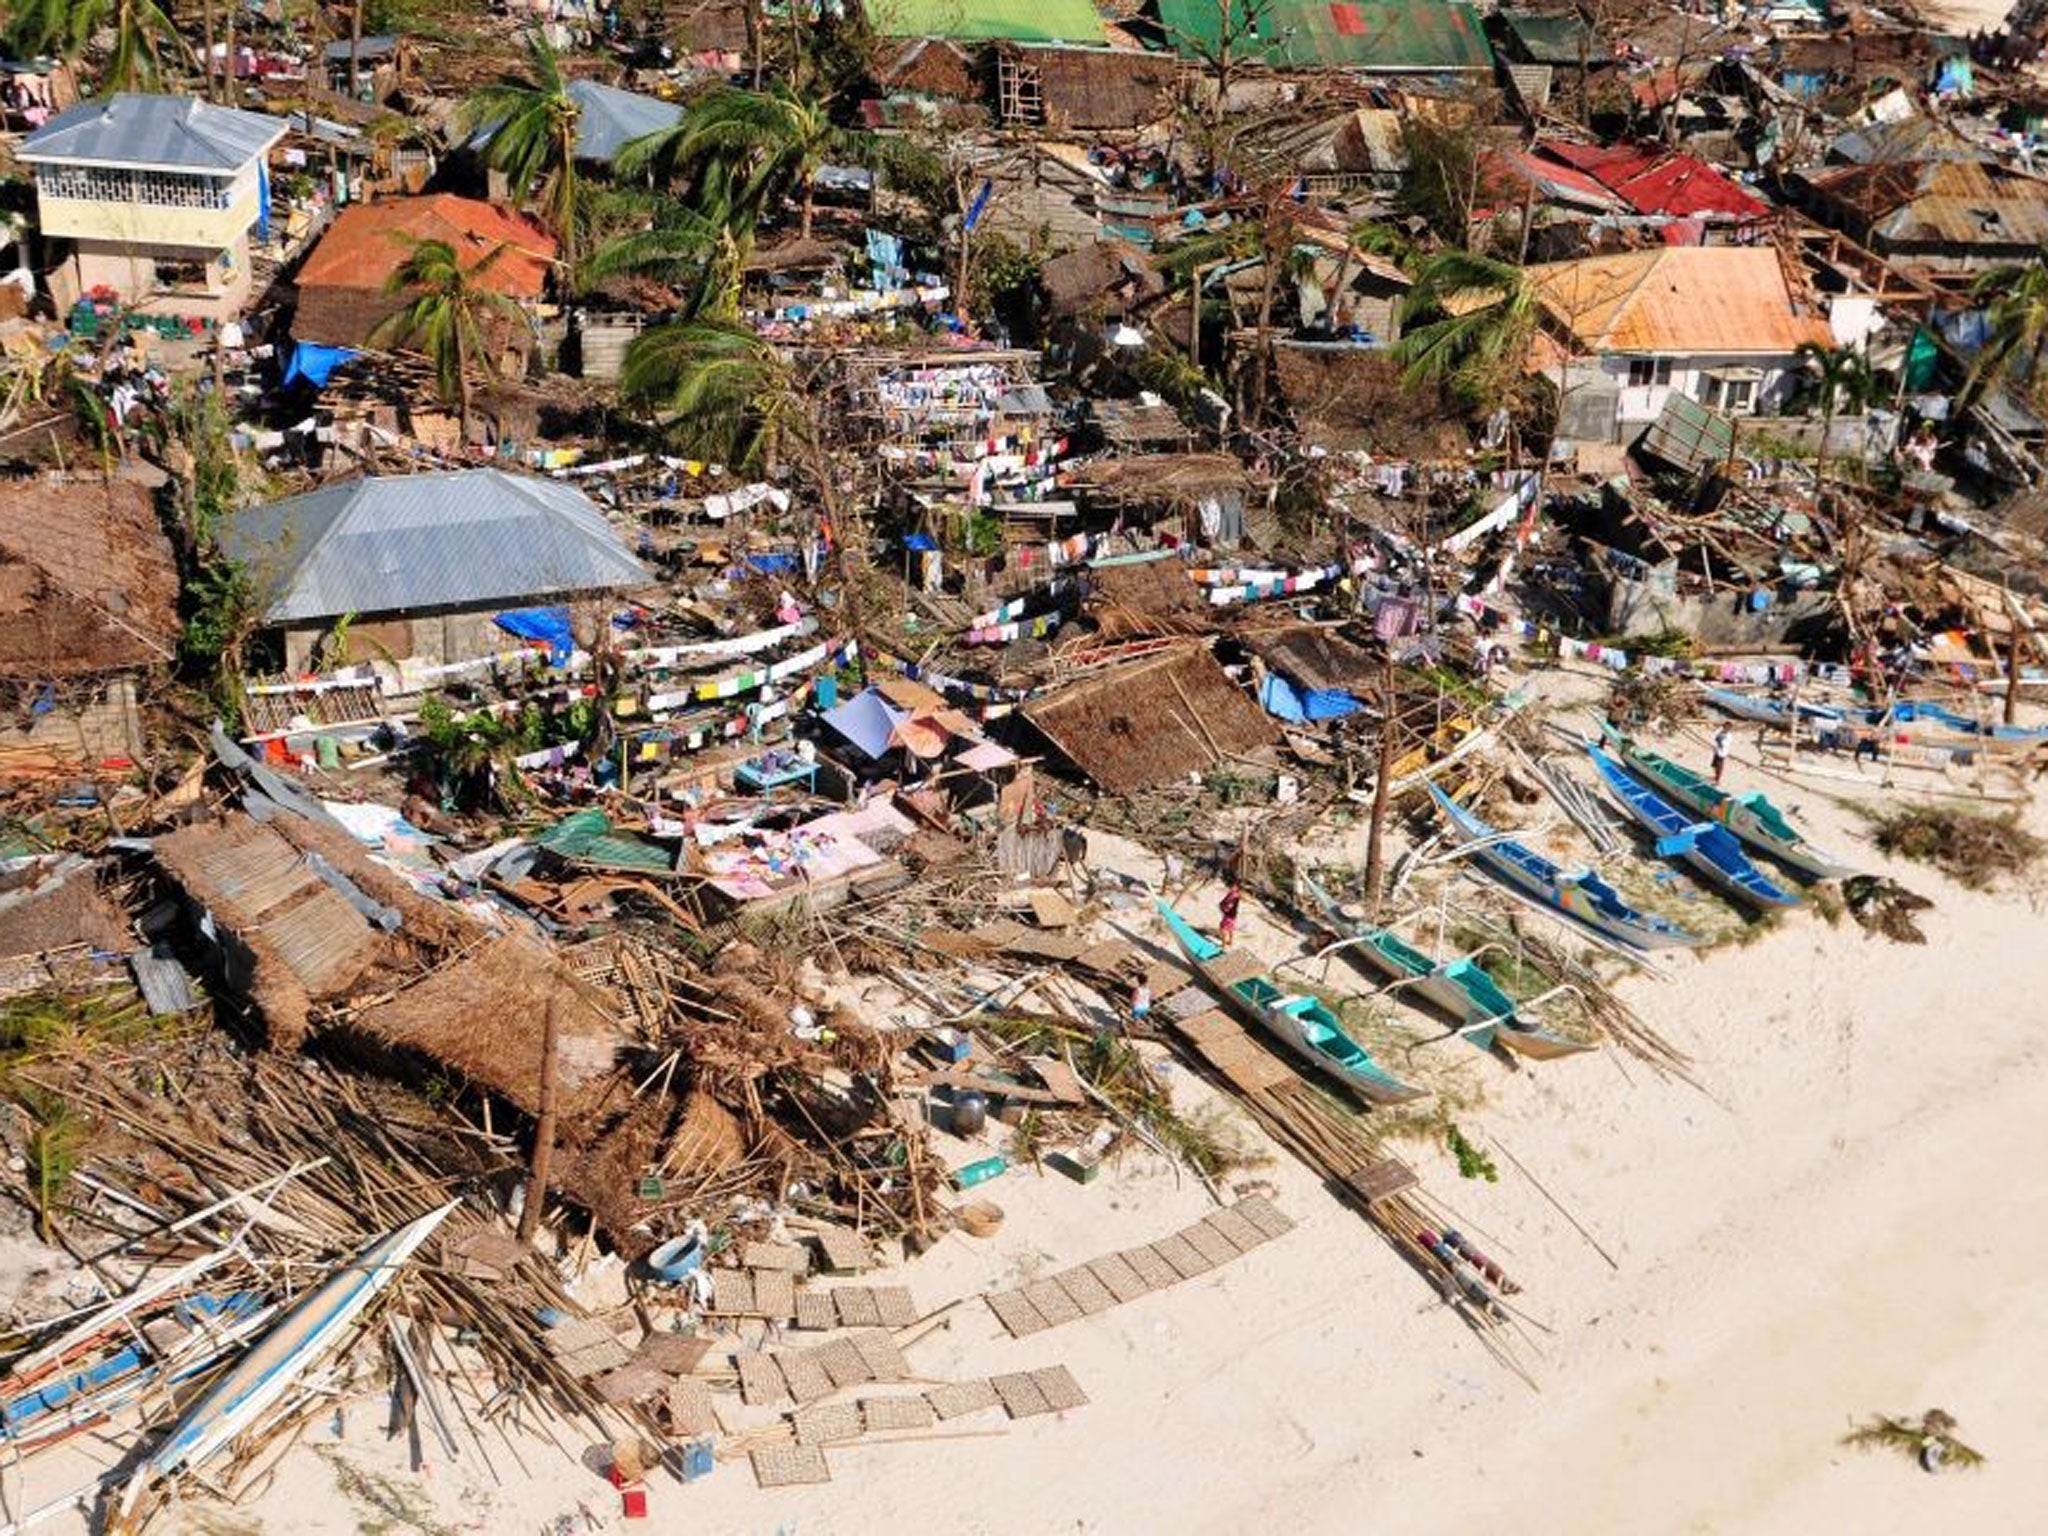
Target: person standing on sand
[(1231, 899), (1722, 740)]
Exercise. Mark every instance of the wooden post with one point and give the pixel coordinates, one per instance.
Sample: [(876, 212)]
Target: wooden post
[(544, 1131), (1374, 854), (2012, 673)]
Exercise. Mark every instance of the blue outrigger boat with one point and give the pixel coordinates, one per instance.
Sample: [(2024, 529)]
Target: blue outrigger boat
[(1779, 712), (1300, 1022), (1706, 847), (1579, 895), (1749, 815), (1459, 988)]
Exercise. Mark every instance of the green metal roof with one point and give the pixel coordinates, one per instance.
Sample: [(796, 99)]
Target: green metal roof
[(1550, 38), (1360, 34), (1023, 21), (587, 837)]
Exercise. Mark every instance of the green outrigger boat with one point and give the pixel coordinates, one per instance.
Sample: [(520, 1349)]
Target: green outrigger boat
[(1750, 817), (1460, 989), (1299, 1022)]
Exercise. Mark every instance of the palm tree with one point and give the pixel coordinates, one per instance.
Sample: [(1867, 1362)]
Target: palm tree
[(724, 392), (532, 122), (143, 35), (2017, 324), (445, 316), (1845, 378), (1476, 318)]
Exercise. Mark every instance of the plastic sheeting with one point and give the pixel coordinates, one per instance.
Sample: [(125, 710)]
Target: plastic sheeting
[(1298, 706), (315, 364), (548, 625)]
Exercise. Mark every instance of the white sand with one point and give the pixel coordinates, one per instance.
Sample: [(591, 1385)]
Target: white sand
[(1854, 1221)]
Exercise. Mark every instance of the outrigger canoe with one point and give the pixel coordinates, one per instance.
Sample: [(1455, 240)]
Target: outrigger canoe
[(1579, 895), (258, 1381), (1705, 847), (1300, 1022), (1460, 988), (1750, 816)]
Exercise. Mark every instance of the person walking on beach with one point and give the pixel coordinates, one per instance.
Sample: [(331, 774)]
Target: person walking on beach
[(1722, 738), (1231, 899)]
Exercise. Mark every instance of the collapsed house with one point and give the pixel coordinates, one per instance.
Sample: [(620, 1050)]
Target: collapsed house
[(88, 612)]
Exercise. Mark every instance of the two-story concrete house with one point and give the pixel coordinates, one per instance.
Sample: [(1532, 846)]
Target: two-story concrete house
[(156, 196), (1718, 324)]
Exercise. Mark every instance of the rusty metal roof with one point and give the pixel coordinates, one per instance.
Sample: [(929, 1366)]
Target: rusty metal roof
[(1696, 299)]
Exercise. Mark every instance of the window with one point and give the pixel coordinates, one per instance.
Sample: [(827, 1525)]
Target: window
[(110, 184), (1643, 372), (181, 276), (1736, 395)]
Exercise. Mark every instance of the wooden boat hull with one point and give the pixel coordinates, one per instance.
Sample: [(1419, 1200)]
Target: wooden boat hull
[(1585, 898), (1750, 818), (1705, 847), (1259, 1002), (1460, 989), (275, 1362)]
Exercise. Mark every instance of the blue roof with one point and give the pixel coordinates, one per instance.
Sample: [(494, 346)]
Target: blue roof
[(403, 543), (169, 133), (611, 118)]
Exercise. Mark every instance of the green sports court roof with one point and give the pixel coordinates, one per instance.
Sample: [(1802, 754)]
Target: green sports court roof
[(1022, 21), (1392, 35)]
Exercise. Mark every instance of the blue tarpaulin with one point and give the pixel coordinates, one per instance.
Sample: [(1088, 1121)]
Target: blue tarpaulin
[(550, 625), (1298, 706), (922, 543), (867, 720), (315, 365)]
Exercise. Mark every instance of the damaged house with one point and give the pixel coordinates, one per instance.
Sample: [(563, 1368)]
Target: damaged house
[(1717, 324), (88, 609), (1154, 721), (418, 565)]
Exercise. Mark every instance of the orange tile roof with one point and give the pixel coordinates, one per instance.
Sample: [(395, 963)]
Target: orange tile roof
[(1677, 299), (370, 241)]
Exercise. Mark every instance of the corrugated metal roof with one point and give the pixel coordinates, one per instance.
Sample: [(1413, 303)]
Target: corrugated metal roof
[(368, 242), (1654, 181), (174, 133), (1692, 299), (1023, 21), (365, 48), (1552, 38), (401, 543), (611, 118), (1688, 435), (1388, 35)]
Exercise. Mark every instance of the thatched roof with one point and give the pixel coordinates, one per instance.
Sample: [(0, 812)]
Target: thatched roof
[(1153, 721), (87, 582), (1172, 479), (1155, 598), (1314, 657)]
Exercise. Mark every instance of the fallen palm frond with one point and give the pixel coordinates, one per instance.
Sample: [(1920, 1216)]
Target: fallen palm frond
[(1886, 907), (1974, 850), (1931, 1441)]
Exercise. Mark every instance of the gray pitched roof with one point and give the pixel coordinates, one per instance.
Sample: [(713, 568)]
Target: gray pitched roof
[(370, 48), (612, 118), (169, 133), (403, 543)]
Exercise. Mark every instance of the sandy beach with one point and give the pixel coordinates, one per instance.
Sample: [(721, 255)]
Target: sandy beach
[(1842, 1219)]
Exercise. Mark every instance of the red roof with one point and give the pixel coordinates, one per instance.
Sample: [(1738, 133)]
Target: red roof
[(370, 241), (1653, 181)]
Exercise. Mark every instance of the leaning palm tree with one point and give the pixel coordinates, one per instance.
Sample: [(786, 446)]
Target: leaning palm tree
[(2017, 315), (146, 40), (1468, 321), (722, 392), (532, 121), (1844, 378), (445, 316)]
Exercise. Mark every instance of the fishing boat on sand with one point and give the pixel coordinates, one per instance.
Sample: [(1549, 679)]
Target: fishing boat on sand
[(1299, 1021), (263, 1377), (1707, 848), (1750, 816), (1459, 988), (1765, 710), (1579, 895)]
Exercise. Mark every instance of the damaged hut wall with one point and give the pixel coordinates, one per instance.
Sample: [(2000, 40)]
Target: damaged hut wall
[(97, 726), (1724, 620)]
